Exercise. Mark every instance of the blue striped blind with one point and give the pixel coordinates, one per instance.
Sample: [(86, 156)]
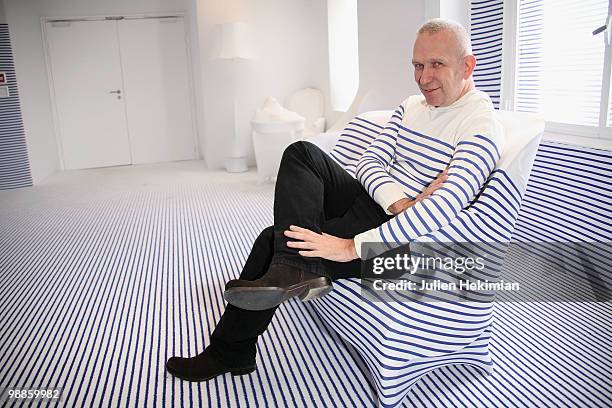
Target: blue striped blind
[(14, 162), (559, 62), (486, 27)]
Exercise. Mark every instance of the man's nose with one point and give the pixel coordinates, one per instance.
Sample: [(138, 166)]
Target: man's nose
[(426, 76)]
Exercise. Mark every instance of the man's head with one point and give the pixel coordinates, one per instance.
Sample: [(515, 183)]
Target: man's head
[(443, 62)]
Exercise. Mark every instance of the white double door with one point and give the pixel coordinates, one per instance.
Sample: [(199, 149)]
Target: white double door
[(121, 91)]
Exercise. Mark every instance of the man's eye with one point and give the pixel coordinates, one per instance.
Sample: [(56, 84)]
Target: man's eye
[(418, 66), (437, 64)]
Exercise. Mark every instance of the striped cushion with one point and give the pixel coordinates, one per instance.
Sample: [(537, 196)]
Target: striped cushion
[(402, 341)]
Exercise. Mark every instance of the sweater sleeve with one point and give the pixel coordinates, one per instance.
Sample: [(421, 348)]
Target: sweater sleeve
[(475, 156), (371, 169)]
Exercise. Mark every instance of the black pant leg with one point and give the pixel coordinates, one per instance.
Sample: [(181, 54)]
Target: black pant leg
[(310, 189), (234, 339), (363, 215)]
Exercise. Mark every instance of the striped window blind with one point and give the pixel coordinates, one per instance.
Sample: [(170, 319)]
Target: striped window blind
[(14, 162), (560, 63), (486, 27)]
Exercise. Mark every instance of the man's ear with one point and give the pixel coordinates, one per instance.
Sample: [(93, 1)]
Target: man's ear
[(470, 64)]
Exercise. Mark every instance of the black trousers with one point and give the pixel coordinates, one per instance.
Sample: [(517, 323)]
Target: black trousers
[(314, 192)]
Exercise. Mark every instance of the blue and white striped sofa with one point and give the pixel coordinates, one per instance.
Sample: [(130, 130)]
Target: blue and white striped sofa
[(402, 341)]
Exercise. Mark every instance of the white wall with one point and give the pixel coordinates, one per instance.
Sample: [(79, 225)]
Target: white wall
[(2, 15), (290, 52), (387, 31), (293, 54), (458, 10), (24, 22)]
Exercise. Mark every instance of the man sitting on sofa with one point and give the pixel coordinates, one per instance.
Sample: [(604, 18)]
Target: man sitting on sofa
[(428, 163)]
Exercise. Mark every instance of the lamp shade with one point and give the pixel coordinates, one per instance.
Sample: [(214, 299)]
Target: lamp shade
[(234, 41)]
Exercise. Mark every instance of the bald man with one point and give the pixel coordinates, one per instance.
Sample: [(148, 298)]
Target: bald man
[(428, 163)]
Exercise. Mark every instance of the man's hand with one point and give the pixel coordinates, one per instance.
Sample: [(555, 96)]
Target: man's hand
[(401, 205), (321, 245), (405, 203)]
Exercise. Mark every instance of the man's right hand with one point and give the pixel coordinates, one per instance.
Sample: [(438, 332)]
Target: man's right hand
[(405, 203)]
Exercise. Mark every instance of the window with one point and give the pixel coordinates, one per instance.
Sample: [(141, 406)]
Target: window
[(343, 52), (562, 70), (610, 97)]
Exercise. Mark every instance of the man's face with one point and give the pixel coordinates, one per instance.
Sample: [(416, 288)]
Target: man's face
[(439, 71)]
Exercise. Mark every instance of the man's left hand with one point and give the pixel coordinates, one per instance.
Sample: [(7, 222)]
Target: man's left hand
[(322, 245)]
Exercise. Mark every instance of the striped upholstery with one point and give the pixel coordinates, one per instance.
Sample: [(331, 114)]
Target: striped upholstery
[(569, 199), (402, 341), (14, 162), (486, 26)]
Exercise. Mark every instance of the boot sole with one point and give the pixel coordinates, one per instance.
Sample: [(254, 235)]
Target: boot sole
[(316, 292), (235, 372), (243, 371), (264, 298)]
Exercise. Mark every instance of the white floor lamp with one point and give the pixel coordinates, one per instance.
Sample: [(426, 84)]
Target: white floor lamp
[(234, 46)]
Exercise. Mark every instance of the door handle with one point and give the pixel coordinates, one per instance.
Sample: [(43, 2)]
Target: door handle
[(118, 91)]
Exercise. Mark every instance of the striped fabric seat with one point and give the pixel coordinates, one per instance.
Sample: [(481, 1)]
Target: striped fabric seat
[(402, 340)]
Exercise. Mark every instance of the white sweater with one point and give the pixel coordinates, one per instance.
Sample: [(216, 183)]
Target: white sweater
[(419, 142)]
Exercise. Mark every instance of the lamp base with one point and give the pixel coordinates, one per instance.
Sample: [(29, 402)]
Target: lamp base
[(236, 165)]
